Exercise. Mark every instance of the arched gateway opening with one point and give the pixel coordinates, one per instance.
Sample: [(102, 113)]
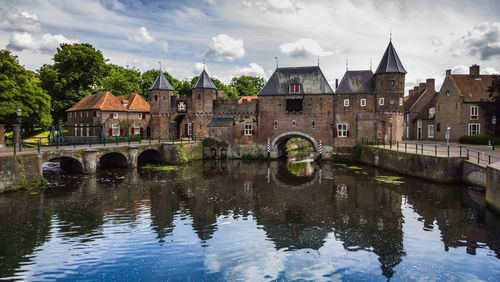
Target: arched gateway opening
[(62, 165), (279, 144), (112, 160)]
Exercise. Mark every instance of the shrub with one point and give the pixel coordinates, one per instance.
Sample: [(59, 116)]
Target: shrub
[(210, 142), (478, 139)]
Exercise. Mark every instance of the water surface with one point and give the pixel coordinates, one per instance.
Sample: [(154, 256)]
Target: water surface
[(247, 221)]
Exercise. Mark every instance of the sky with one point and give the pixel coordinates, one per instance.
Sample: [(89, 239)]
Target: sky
[(245, 37)]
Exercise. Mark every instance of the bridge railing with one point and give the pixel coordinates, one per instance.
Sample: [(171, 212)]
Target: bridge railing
[(475, 155)]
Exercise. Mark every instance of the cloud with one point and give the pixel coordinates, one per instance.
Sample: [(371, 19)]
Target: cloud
[(460, 69), (24, 21), (489, 70), (274, 6), (253, 69), (46, 44), (198, 67), (303, 48), (164, 45), (484, 39), (226, 48), (142, 36)]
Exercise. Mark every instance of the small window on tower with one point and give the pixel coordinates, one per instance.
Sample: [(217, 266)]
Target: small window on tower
[(381, 101), (156, 97), (392, 83), (294, 88)]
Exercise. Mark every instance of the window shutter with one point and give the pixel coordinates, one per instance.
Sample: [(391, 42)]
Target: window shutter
[(111, 115), (95, 113), (132, 131), (110, 132), (185, 129), (143, 116), (121, 131), (243, 132), (142, 130), (335, 133), (253, 132), (348, 135)]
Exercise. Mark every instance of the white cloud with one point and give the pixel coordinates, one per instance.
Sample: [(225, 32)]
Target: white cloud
[(489, 70), (198, 67), (226, 48), (24, 21), (142, 36), (253, 69), (484, 39), (460, 69), (303, 48), (164, 45), (274, 6), (47, 43)]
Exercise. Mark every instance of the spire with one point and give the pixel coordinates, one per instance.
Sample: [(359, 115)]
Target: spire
[(390, 62), (204, 81), (161, 83)]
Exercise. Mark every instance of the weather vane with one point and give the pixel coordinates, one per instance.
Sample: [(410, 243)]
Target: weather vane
[(276, 58)]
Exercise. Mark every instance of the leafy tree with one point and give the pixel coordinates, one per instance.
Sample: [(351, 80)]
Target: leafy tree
[(247, 85), (120, 80), (20, 88), (77, 70), (148, 78)]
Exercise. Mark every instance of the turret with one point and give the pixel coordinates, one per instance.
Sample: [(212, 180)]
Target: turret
[(160, 94), (204, 92)]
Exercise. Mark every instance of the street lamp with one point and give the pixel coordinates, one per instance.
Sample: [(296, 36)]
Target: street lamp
[(390, 138), (19, 113), (493, 122)]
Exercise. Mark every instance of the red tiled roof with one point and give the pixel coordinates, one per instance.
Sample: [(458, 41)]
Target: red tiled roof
[(135, 102), (104, 101), (473, 89)]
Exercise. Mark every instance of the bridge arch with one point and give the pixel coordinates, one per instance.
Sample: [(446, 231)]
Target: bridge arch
[(149, 156), (113, 159), (279, 143), (66, 164)]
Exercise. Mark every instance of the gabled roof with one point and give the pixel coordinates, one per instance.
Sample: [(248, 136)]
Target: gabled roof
[(204, 81), (473, 89), (161, 83), (390, 61), (135, 102), (424, 113), (104, 101), (311, 80), (221, 122), (357, 82)]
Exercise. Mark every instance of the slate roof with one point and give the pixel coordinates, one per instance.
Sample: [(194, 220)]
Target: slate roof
[(204, 81), (390, 61), (104, 101), (311, 80), (361, 81), (161, 83), (221, 122), (135, 102), (473, 89)]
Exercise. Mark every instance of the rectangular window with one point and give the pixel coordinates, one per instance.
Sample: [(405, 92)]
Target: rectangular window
[(275, 125), (293, 105), (76, 129), (136, 129), (81, 130), (381, 101), (363, 102), (294, 123), (115, 115), (342, 130), (98, 114), (346, 102), (474, 112), (430, 131), (313, 125), (116, 129), (294, 88), (139, 116), (400, 101), (248, 129), (190, 129), (474, 128), (81, 114)]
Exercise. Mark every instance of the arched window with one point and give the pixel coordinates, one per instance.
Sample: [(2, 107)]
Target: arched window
[(156, 97)]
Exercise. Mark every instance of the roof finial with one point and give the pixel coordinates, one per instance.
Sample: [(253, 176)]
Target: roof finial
[(370, 64), (276, 58), (318, 61), (204, 63), (346, 65), (159, 62), (390, 36)]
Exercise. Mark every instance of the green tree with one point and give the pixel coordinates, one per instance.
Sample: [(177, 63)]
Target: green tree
[(20, 88), (148, 78), (247, 85), (77, 70), (120, 80)]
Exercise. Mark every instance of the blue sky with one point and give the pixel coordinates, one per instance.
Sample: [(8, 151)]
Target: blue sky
[(243, 37)]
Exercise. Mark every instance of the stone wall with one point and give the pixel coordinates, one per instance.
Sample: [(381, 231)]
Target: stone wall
[(20, 172), (493, 187), (437, 169)]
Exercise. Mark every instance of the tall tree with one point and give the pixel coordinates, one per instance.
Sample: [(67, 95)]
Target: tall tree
[(20, 88), (120, 80), (247, 85), (77, 70)]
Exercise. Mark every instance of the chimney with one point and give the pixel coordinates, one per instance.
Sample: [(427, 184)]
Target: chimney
[(411, 92), (421, 86), (448, 72), (416, 90), (336, 83), (430, 84), (474, 70)]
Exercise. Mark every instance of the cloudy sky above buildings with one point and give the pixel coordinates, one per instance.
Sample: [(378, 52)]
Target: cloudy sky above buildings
[(243, 37)]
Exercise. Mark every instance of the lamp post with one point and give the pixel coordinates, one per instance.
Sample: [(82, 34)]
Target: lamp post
[(493, 122), (19, 113), (390, 138)]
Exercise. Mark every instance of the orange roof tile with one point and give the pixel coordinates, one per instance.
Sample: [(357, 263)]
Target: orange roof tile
[(473, 89), (247, 98), (104, 101), (135, 102)]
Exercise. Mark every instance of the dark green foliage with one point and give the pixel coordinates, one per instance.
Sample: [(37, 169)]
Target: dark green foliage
[(121, 81), (77, 70), (20, 88), (210, 142), (478, 139)]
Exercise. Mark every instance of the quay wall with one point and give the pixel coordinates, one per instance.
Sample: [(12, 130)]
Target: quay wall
[(493, 187)]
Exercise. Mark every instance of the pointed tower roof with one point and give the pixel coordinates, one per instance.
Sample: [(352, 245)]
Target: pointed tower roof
[(204, 81), (161, 83), (390, 61)]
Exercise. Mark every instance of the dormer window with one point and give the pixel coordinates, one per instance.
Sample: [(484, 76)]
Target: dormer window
[(294, 88)]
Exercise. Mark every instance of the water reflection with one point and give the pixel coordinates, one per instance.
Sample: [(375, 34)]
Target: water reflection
[(237, 220)]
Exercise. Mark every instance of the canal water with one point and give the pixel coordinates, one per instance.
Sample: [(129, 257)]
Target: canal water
[(247, 221)]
